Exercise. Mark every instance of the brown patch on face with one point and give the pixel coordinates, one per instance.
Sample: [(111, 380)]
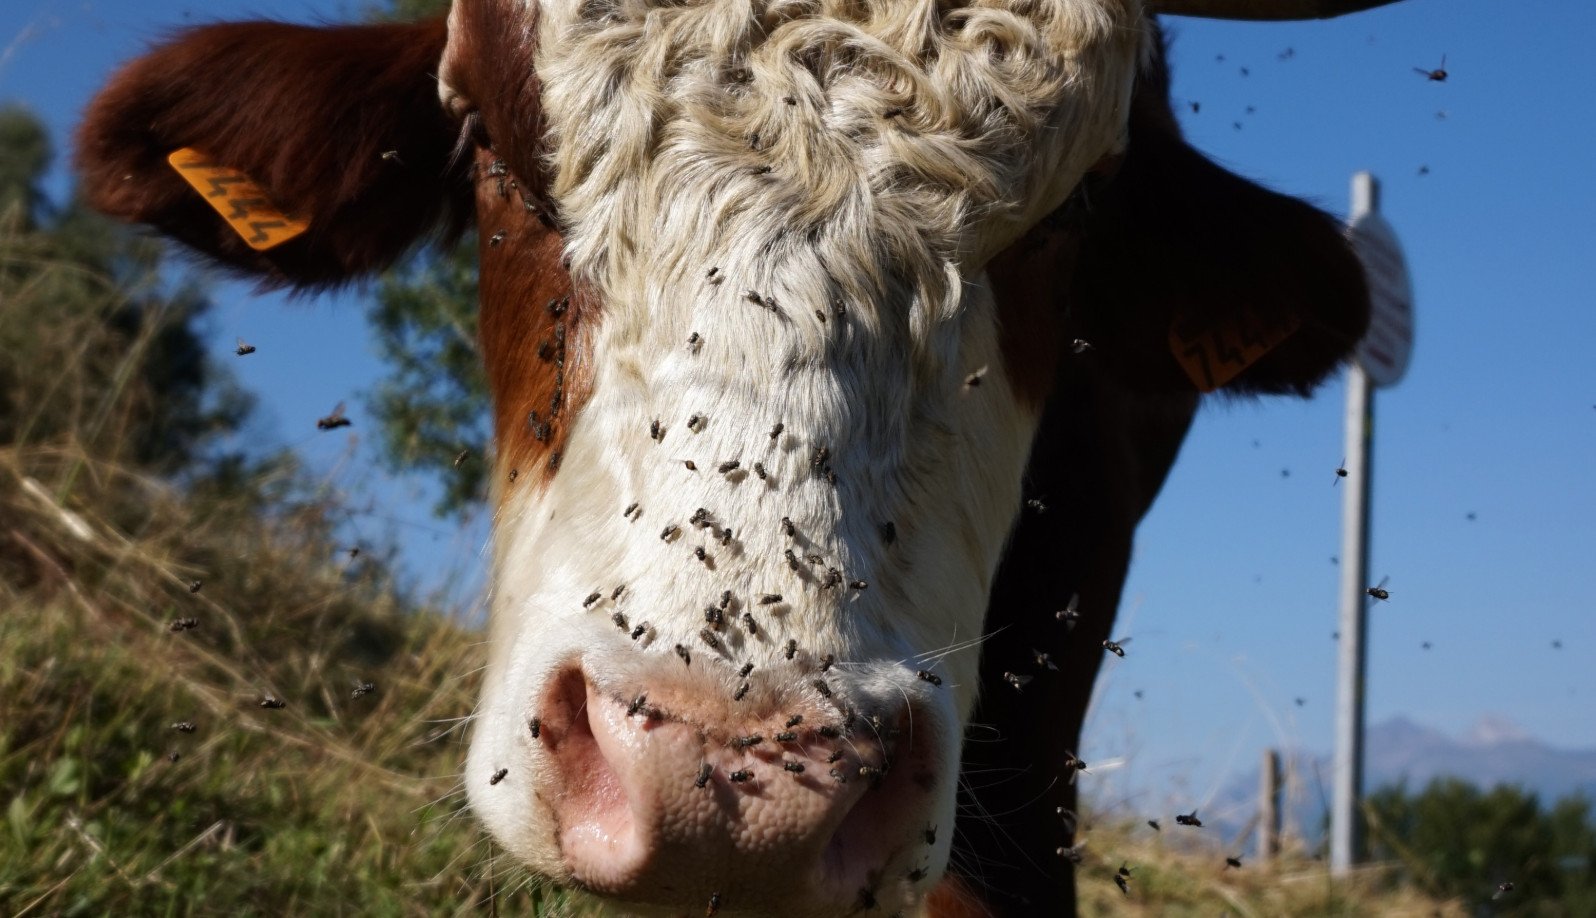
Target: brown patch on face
[(534, 326), (489, 63)]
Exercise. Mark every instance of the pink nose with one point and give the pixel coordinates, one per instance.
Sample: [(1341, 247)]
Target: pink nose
[(769, 807)]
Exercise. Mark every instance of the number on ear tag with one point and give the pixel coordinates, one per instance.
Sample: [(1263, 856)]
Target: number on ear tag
[(241, 202), (1213, 353)]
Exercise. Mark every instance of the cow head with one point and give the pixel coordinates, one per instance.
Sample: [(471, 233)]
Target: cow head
[(773, 297)]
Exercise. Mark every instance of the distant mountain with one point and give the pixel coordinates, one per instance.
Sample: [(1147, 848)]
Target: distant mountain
[(1495, 751)]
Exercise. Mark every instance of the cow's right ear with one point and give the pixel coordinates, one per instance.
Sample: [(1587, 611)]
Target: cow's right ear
[(337, 128)]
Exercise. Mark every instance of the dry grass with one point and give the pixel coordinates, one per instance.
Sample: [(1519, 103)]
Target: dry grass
[(1174, 877)]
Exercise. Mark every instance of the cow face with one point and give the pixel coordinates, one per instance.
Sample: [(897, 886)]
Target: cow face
[(770, 313), (783, 377)]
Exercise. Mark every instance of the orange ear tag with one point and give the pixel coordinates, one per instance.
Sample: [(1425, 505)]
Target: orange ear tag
[(241, 202), (1214, 353)]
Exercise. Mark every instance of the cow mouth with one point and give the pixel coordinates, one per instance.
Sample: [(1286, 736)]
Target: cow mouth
[(638, 820)]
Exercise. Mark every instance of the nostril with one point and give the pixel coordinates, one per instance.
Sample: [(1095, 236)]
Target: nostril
[(596, 822)]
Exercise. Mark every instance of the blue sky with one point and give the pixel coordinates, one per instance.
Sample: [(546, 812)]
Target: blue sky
[(1232, 597)]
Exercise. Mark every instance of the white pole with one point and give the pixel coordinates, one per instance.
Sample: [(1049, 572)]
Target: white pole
[(1352, 649)]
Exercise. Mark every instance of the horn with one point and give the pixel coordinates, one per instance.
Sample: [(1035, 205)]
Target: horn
[(1263, 9)]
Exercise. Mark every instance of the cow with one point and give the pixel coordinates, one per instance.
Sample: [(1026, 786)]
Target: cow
[(836, 349)]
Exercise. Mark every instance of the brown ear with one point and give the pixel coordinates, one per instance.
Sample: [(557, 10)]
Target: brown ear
[(1185, 269), (339, 126)]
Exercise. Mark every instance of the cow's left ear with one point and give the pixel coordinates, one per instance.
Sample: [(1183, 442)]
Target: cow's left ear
[(313, 155), (1189, 275)]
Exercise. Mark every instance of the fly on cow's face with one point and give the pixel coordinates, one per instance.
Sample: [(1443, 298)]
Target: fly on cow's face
[(715, 617), (743, 672), (822, 687), (740, 775), (792, 648), (700, 553), (655, 431), (931, 835), (932, 678), (637, 704), (769, 599), (742, 691), (592, 598), (685, 654), (498, 776), (776, 430), (797, 768), (731, 465), (704, 771), (184, 726), (759, 469), (713, 908), (749, 623), (362, 689), (535, 727), (708, 637), (273, 703), (619, 618), (836, 756), (183, 624), (1378, 591)]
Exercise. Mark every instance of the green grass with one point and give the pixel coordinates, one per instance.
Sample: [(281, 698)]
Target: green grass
[(331, 805)]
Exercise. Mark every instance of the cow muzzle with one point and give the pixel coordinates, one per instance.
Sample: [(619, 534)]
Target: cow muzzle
[(788, 807)]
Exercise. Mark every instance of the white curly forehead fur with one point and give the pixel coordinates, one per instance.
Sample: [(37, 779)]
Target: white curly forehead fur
[(809, 192)]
